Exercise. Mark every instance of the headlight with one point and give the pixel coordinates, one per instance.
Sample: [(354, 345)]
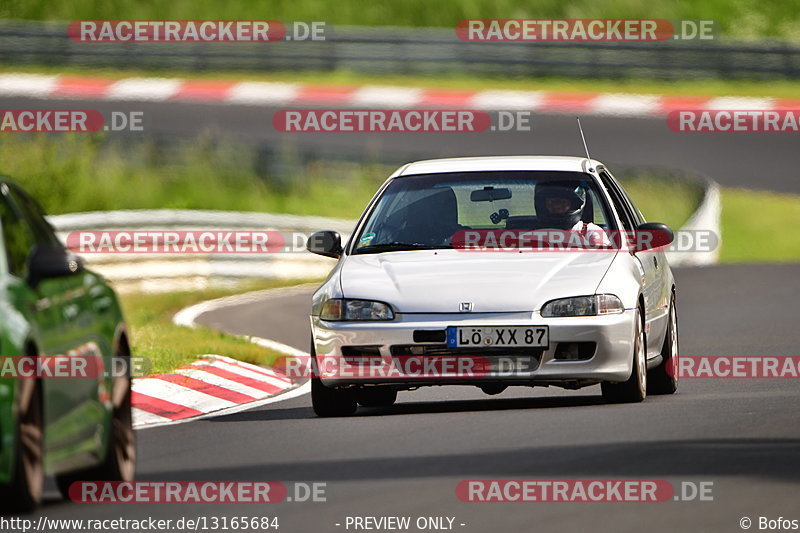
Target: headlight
[(344, 309), (598, 304)]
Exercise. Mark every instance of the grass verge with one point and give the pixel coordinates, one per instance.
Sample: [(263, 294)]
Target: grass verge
[(74, 173), (454, 81), (166, 346), (662, 196), (759, 226)]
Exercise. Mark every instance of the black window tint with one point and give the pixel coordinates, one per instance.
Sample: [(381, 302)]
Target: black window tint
[(33, 214), (17, 238)]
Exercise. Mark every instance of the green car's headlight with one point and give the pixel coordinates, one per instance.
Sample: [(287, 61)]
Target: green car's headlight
[(346, 309), (598, 304)]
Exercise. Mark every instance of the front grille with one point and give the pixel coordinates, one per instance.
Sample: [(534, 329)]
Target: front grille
[(430, 335), (361, 351)]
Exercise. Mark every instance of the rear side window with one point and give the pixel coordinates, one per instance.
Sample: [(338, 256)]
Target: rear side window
[(18, 239), (628, 219), (34, 216)]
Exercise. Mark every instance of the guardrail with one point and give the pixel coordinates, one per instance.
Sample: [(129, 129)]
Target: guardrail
[(430, 51), (705, 218), (166, 272)]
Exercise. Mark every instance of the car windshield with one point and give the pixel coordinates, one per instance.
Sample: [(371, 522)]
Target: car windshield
[(426, 211)]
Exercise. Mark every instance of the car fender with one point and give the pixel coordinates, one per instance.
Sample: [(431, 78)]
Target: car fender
[(624, 278)]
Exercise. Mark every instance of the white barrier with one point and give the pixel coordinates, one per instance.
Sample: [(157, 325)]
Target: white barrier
[(163, 272), (706, 218)]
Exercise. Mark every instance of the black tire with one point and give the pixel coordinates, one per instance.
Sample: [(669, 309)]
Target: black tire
[(119, 463), (635, 389), (376, 397), (326, 401), (664, 378), (24, 493), (329, 402)]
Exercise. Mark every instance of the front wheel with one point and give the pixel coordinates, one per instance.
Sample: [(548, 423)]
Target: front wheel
[(327, 401), (664, 378), (635, 389)]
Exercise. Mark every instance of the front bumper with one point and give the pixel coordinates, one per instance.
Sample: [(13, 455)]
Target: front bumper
[(431, 363)]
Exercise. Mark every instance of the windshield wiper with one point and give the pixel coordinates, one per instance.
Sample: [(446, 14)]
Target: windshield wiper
[(398, 247)]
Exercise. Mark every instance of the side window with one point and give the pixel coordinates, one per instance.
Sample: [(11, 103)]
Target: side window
[(636, 213), (17, 238), (42, 231), (636, 216), (598, 215), (620, 205)]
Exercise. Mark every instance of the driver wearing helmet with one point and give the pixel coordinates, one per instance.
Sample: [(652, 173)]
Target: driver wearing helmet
[(560, 205)]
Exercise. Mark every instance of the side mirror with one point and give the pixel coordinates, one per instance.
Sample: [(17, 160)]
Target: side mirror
[(51, 261), (327, 243), (653, 235)]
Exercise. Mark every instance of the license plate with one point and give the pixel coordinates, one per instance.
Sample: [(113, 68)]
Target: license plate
[(486, 336)]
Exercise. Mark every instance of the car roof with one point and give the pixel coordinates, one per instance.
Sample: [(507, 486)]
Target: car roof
[(490, 163)]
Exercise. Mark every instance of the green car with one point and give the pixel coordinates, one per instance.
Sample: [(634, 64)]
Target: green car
[(51, 307)]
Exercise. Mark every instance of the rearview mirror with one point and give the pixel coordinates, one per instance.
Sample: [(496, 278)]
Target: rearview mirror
[(51, 261), (652, 235), (489, 194), (327, 243)]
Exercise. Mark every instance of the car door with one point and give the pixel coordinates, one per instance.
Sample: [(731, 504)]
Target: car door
[(662, 284), (650, 264), (73, 413)]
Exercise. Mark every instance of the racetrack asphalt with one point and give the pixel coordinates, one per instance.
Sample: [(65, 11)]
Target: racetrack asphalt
[(741, 434)]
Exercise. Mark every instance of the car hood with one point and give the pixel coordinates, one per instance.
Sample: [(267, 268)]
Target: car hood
[(428, 281)]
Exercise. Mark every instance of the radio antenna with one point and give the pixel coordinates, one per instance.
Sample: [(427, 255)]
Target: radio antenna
[(586, 148)]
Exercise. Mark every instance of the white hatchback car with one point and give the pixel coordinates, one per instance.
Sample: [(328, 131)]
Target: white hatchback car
[(466, 272)]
